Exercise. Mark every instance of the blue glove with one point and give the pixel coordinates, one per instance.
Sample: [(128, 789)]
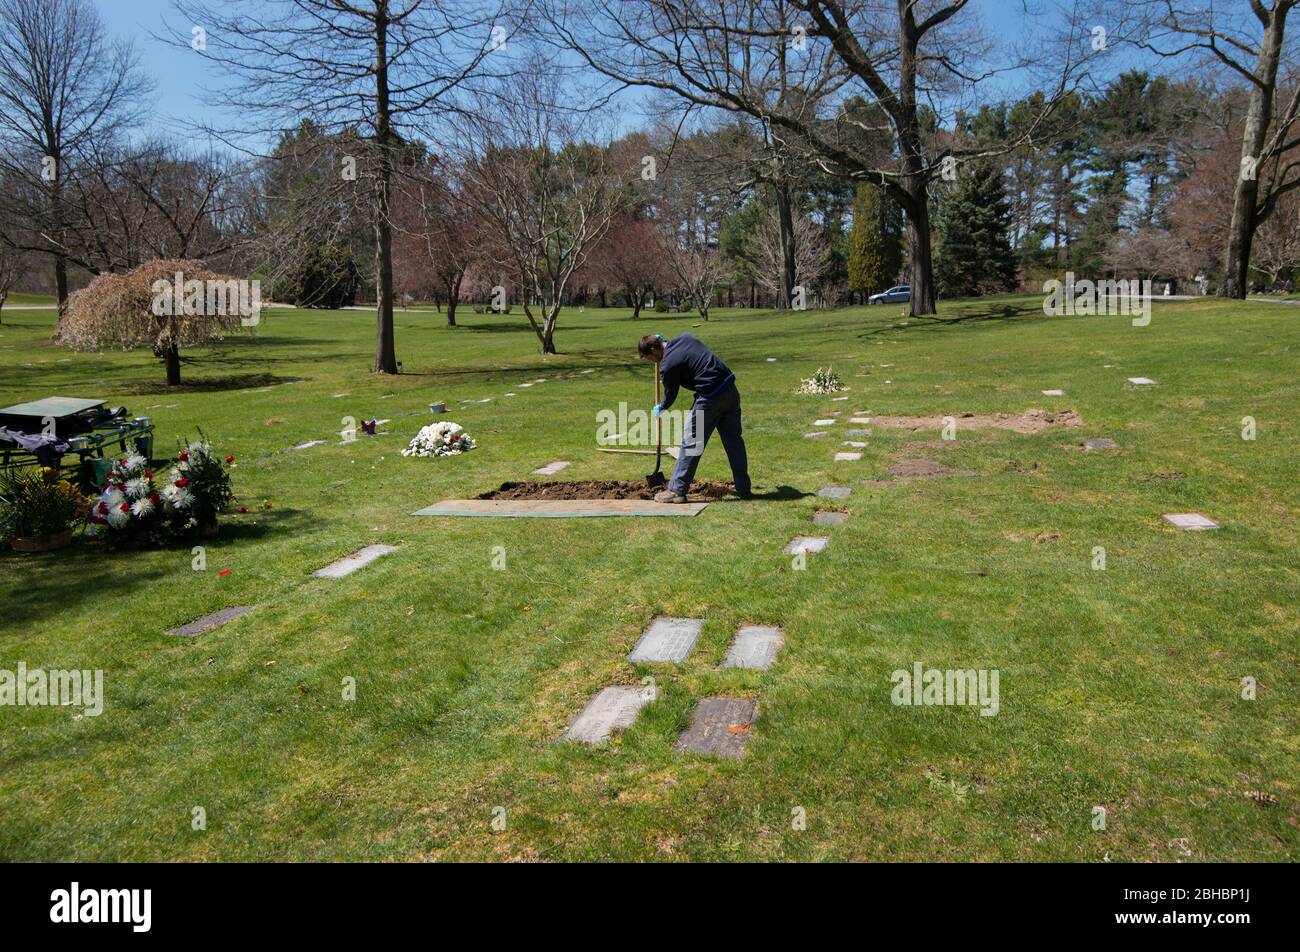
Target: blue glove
[(657, 410)]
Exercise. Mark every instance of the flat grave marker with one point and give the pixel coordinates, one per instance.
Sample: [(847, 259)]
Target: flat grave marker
[(835, 492), (215, 620), (613, 708), (1101, 443), (719, 727), (350, 563), (859, 419), (755, 646), (815, 434), (1141, 381), (847, 457), (857, 432), (1053, 393), (830, 517), (667, 639), (809, 544), (550, 469), (824, 422), (1191, 521)]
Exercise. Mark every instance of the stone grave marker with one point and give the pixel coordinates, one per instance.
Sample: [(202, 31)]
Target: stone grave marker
[(215, 620), (755, 646), (719, 727), (667, 639), (613, 708), (809, 544), (358, 559), (550, 469), (1191, 521)]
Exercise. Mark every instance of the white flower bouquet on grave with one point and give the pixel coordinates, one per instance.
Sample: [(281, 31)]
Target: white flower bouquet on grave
[(440, 439), (823, 380)]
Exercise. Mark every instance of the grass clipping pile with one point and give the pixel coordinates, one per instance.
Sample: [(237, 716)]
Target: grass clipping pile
[(600, 489)]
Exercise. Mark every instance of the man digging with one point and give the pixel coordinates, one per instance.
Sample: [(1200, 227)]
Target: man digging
[(685, 362)]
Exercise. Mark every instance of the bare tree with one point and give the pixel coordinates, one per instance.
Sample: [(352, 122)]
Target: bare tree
[(1248, 40), (435, 244), (545, 194), (122, 206), (737, 56), (1275, 252), (375, 66), (63, 85), (630, 259), (1149, 253), (9, 272), (767, 247)]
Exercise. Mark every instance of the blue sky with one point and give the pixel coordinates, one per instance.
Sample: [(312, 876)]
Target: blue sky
[(181, 77)]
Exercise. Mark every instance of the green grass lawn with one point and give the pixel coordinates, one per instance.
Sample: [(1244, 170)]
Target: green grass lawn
[(1118, 688)]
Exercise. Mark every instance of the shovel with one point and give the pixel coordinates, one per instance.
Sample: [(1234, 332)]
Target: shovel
[(656, 479)]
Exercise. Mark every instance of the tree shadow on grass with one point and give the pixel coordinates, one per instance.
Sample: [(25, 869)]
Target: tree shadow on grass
[(973, 315), (206, 384), (260, 522), (54, 582)]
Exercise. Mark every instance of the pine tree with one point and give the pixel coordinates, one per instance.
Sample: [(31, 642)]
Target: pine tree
[(876, 242), (975, 255)]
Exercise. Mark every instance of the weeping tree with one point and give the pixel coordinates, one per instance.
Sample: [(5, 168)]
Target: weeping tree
[(148, 307)]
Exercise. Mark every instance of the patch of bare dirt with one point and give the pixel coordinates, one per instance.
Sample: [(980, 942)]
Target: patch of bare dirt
[(1031, 421), (598, 489), (909, 469)]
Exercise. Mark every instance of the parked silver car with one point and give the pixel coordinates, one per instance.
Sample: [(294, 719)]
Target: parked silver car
[(896, 295)]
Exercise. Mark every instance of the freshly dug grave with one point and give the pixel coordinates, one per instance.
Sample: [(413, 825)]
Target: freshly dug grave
[(911, 470), (924, 469), (599, 489), (1031, 421)]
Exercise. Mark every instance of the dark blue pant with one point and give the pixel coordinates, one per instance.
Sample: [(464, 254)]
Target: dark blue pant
[(721, 413)]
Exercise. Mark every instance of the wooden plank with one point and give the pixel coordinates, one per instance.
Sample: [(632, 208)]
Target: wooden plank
[(673, 451), (559, 508)]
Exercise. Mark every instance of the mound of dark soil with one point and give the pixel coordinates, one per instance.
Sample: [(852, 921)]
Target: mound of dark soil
[(599, 489)]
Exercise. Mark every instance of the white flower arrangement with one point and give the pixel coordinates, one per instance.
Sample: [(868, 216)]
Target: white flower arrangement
[(440, 439), (823, 380)]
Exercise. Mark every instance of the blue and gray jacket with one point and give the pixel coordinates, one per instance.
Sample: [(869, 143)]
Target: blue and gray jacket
[(688, 363)]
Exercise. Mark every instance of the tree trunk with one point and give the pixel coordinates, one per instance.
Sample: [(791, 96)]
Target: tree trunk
[(786, 221), (385, 350), (638, 301), (913, 180), (1241, 230), (548, 330), (172, 358), (920, 259), (453, 298)]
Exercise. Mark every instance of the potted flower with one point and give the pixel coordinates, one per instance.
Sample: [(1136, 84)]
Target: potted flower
[(39, 509)]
